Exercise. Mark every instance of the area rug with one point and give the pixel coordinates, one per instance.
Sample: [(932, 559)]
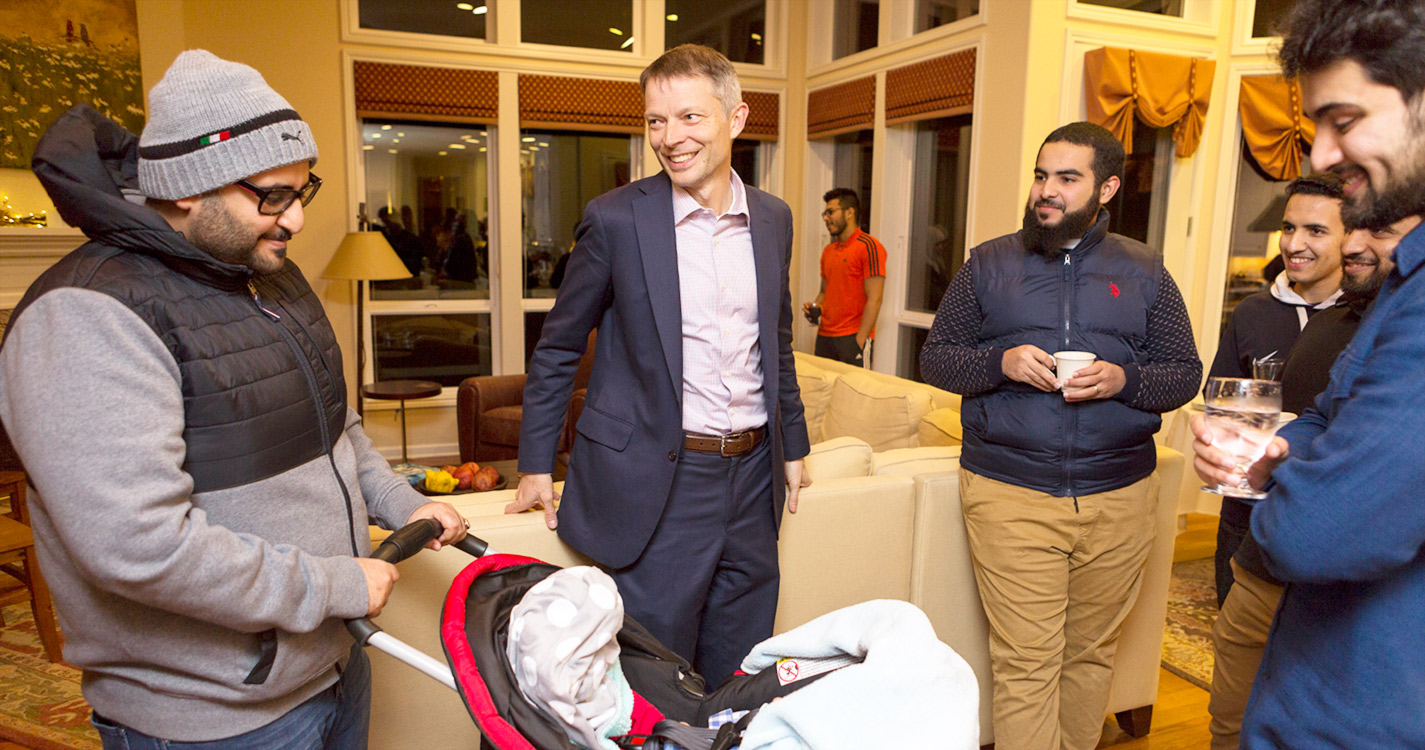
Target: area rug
[(1192, 608), (40, 704)]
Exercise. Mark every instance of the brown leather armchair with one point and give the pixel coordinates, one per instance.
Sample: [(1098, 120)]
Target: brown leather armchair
[(488, 410)]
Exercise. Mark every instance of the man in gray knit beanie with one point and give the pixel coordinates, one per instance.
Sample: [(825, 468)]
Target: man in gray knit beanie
[(217, 135), (203, 561)]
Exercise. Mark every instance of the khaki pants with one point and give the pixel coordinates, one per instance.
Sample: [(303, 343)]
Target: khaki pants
[(1238, 638), (1057, 576)]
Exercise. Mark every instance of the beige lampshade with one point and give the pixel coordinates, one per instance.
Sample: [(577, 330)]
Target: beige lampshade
[(366, 256)]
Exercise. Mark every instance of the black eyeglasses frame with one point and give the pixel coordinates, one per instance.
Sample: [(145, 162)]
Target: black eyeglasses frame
[(285, 195)]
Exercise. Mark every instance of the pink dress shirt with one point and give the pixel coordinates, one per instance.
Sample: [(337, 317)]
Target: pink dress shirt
[(717, 279)]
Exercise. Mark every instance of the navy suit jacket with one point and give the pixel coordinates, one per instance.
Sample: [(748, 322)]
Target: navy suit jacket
[(623, 279)]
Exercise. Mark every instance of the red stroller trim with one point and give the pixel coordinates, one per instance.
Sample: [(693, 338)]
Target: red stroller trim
[(462, 660)]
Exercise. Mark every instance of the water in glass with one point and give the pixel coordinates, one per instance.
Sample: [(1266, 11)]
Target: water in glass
[(1242, 414)]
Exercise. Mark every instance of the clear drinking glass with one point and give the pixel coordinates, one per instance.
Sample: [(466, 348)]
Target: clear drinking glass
[(1268, 368), (1242, 414)]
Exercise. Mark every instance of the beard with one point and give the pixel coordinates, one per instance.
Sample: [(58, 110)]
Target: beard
[(215, 231), (1403, 197), (1360, 294), (1049, 241)]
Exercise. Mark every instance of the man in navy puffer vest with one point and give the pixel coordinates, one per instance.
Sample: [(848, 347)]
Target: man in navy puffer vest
[(1056, 476)]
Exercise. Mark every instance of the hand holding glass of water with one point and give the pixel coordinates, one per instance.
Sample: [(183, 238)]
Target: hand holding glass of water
[(1242, 415)]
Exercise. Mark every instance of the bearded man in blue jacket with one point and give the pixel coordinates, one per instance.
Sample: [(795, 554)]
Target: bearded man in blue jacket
[(1343, 524), (1056, 474)]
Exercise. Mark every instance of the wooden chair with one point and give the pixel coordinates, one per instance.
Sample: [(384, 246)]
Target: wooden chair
[(17, 558)]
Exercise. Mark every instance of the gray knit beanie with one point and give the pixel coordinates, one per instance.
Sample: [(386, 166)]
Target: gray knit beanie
[(212, 122)]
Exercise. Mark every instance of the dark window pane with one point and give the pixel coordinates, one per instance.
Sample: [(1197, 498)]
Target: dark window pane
[(533, 328), (939, 192), (1131, 209), (425, 16), (443, 348), (735, 28), (854, 154), (595, 24), (855, 26), (427, 186), (561, 172), (746, 159), (1267, 14), (930, 14), (1159, 7), (908, 358)]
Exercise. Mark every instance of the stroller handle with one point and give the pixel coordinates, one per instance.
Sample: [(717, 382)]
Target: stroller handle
[(401, 545)]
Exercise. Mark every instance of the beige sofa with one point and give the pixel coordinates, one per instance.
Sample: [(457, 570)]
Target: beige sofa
[(887, 412), (874, 525)]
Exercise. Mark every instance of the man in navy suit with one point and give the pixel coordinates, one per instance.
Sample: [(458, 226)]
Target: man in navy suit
[(692, 433)]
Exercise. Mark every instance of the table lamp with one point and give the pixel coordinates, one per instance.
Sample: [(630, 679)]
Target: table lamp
[(362, 257)]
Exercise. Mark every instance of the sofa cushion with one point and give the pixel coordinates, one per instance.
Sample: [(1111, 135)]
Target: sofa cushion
[(941, 427), (815, 384), (881, 412), (501, 425), (839, 458), (911, 461)]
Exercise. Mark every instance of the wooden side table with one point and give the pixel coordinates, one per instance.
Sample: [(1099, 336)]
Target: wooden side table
[(402, 391)]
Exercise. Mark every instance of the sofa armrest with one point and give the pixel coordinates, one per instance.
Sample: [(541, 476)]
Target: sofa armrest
[(477, 395)]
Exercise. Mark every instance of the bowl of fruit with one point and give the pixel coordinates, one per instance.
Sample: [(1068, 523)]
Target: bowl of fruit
[(462, 479)]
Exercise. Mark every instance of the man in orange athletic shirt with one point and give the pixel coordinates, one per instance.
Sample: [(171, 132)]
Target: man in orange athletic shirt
[(853, 277)]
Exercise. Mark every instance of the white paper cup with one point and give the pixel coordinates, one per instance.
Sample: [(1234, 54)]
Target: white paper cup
[(1067, 364)]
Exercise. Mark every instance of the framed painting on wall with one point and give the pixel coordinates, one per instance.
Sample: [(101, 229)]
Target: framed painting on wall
[(55, 54)]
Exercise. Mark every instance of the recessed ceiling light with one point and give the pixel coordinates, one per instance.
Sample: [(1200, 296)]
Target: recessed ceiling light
[(672, 16), (528, 139), (375, 135), (544, 144), (482, 149), (367, 147), (457, 145), (395, 140), (479, 10), (391, 151), (400, 135), (385, 127), (442, 153), (626, 43), (613, 30), (484, 132), (465, 6), (757, 37)]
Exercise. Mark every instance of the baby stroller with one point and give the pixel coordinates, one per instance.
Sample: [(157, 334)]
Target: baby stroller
[(474, 632)]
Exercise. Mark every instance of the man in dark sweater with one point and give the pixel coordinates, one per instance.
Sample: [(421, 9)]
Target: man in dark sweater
[(1268, 322), (1240, 633)]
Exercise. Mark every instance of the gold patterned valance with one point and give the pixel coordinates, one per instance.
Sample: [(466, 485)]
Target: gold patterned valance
[(842, 108), (418, 92), (1161, 90), (1276, 131), (580, 104), (764, 112), (935, 88)]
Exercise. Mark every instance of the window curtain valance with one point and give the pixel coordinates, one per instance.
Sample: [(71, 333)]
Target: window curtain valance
[(843, 108), (941, 87), (1276, 131), (765, 109), (419, 92), (1161, 90), (580, 104)]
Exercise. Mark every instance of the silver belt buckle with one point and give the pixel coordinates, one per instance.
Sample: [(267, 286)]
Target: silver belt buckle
[(724, 441)]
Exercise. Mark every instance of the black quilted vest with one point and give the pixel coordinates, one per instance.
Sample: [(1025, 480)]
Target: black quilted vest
[(1095, 298), (261, 369)]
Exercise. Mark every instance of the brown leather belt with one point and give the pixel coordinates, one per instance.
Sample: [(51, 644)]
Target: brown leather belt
[(727, 446)]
